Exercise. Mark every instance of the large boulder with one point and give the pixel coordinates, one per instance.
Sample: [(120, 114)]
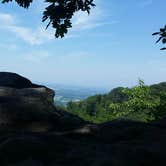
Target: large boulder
[(14, 80), (24, 105)]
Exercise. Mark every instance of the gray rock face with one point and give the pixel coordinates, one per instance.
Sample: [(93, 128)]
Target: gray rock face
[(22, 102)]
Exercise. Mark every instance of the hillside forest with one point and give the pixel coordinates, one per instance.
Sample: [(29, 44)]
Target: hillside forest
[(140, 103)]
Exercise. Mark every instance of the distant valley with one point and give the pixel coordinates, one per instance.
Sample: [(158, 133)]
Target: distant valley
[(67, 93)]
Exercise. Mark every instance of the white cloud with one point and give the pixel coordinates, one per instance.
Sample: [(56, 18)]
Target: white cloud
[(31, 36), (97, 18)]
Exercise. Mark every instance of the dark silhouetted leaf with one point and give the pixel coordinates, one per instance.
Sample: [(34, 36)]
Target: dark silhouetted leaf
[(162, 36), (156, 33), (163, 48)]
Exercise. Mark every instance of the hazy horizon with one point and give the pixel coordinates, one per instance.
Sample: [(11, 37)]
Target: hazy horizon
[(98, 88)]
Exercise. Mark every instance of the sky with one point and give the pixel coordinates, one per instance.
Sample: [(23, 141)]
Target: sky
[(113, 46)]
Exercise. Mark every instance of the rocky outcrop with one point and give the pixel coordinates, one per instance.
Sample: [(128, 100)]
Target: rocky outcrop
[(34, 133), (14, 80), (118, 143), (24, 105)]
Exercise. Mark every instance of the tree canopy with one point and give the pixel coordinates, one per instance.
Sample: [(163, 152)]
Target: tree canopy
[(59, 13)]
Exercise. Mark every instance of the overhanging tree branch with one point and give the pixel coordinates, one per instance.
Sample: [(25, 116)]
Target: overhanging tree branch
[(59, 12)]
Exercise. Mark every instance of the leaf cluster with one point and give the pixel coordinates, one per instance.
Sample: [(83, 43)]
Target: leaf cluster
[(162, 36), (139, 100)]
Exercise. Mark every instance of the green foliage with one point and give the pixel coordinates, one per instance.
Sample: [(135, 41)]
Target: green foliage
[(143, 103), (59, 13), (140, 100), (162, 36)]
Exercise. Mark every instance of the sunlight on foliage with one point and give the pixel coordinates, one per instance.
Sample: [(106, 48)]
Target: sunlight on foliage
[(141, 103), (139, 99)]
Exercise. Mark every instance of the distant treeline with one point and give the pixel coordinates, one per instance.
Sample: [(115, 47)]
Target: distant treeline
[(143, 103)]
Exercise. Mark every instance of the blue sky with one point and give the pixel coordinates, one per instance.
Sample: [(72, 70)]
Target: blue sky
[(113, 46)]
